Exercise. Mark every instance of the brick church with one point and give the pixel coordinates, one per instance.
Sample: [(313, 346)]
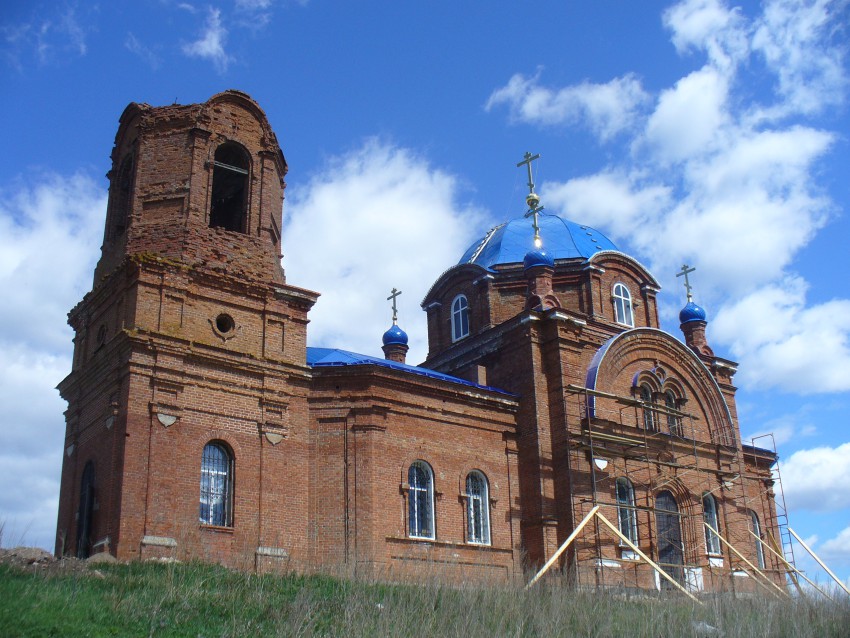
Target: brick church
[(200, 425)]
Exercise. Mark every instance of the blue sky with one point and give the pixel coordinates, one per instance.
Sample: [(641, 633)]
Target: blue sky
[(707, 132)]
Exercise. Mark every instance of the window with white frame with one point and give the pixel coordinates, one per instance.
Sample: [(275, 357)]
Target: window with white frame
[(477, 509), (757, 531), (623, 305), (626, 514), (216, 485), (709, 512), (460, 318), (420, 500)]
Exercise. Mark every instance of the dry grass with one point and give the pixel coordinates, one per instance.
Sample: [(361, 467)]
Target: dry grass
[(149, 599)]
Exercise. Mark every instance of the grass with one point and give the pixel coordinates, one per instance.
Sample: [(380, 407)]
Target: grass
[(197, 600)]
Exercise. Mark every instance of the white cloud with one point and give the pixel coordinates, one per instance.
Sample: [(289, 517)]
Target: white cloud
[(210, 44), (804, 44), (53, 37), (710, 26), (837, 549), (689, 118), (377, 218), (712, 182), (61, 217), (812, 479), (796, 347), (608, 108)]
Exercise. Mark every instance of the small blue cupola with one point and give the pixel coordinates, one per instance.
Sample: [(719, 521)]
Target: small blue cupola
[(691, 312), (395, 336), (537, 257)]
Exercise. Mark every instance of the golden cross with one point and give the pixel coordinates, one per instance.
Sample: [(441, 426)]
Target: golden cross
[(532, 199), (395, 293), (685, 270)]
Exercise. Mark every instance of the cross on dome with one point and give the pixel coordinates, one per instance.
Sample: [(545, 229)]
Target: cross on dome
[(532, 199), (685, 271), (395, 293)]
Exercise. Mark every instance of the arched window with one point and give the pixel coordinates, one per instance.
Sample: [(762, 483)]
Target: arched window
[(229, 200), (216, 485), (671, 550), (648, 408), (674, 421), (460, 318), (477, 509), (757, 531), (626, 513), (420, 500), (122, 192), (709, 512), (623, 305), (85, 511)]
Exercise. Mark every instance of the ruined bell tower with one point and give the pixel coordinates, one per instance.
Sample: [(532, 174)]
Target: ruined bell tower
[(187, 397)]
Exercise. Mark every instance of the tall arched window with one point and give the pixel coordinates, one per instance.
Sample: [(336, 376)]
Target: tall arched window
[(648, 408), (674, 421), (623, 305), (85, 511), (420, 500), (477, 509), (460, 318), (122, 193), (754, 518), (229, 200), (216, 485), (626, 513), (709, 512)]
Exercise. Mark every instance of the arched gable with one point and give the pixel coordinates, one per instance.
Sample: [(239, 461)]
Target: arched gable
[(625, 357)]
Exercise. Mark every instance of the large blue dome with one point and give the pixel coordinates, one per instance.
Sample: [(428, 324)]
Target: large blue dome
[(509, 243)]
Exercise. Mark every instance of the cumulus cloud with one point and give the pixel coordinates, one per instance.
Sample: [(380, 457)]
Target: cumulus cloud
[(710, 178), (804, 44), (210, 44), (407, 222), (608, 109), (61, 217), (837, 549), (810, 479), (797, 347)]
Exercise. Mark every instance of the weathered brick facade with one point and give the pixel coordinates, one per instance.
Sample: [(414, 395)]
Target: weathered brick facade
[(192, 343)]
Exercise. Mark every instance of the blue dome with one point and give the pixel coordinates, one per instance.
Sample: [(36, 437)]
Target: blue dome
[(537, 257), (691, 312), (509, 243), (395, 336)]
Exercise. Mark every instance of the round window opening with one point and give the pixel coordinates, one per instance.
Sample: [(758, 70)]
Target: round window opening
[(224, 323)]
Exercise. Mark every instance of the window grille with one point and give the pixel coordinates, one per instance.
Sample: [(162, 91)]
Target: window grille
[(216, 486), (626, 513), (477, 509), (648, 408), (709, 509), (420, 500)]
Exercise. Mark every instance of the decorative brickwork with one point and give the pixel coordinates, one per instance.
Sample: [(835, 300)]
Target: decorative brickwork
[(191, 338)]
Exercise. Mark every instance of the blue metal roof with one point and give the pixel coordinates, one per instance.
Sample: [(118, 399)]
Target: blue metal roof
[(334, 357), (509, 242)]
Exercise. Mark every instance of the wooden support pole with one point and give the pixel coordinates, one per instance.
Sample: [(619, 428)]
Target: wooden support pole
[(755, 569), (778, 551), (564, 546), (790, 568), (820, 562), (636, 549)]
